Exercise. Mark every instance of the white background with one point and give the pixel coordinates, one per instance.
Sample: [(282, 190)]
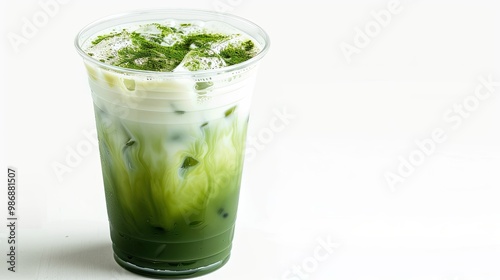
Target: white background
[(322, 177)]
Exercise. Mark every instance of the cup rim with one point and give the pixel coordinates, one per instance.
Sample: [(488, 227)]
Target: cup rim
[(171, 13)]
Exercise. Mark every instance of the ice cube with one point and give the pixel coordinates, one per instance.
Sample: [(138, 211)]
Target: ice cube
[(200, 60), (190, 27), (107, 49), (233, 40), (148, 29)]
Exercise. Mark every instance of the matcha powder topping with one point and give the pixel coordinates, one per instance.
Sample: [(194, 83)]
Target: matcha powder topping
[(157, 47)]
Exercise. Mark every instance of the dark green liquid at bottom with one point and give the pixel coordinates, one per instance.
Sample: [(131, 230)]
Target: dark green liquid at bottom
[(155, 259)]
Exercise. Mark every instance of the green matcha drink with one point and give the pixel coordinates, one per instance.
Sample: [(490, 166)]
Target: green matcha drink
[(172, 93)]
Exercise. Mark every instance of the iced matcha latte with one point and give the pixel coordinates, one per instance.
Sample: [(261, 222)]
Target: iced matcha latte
[(172, 92)]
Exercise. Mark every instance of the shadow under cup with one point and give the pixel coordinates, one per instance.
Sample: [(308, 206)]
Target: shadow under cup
[(172, 147)]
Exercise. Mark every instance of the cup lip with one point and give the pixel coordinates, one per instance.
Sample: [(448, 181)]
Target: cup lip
[(149, 73)]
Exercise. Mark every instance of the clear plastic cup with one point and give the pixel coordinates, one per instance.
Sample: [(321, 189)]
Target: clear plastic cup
[(172, 148)]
